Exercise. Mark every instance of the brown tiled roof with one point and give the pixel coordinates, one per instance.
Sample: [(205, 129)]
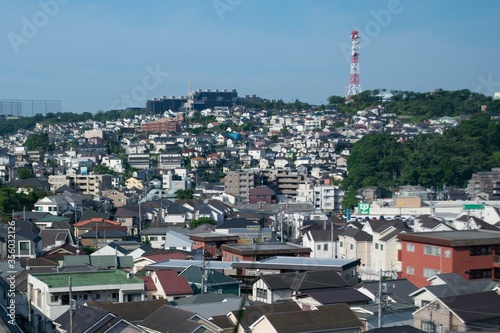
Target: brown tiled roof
[(131, 311), (170, 319), (222, 321), (249, 314), (325, 318), (149, 284), (261, 190), (172, 283)]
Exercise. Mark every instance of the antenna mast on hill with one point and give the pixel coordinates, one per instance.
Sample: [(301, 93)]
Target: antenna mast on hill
[(354, 85)]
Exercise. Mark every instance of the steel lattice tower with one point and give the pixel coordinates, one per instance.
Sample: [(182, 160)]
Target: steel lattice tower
[(354, 85)]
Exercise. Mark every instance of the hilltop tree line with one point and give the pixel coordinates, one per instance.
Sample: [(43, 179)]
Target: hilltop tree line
[(427, 160), (418, 106)]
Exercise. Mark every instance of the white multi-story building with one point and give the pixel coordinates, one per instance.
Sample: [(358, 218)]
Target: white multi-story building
[(327, 198), (114, 163), (49, 292), (172, 182), (305, 193)]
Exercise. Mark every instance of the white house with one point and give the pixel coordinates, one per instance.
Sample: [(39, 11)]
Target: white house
[(57, 205), (110, 249), (114, 163), (155, 236), (49, 292), (177, 241), (321, 243)]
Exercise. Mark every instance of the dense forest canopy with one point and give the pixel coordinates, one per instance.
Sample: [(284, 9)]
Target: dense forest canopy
[(427, 160), (418, 106)]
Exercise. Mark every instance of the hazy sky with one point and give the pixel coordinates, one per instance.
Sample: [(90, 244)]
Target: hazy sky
[(98, 55)]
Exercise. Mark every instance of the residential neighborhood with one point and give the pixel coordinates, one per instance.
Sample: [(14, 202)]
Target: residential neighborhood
[(149, 227)]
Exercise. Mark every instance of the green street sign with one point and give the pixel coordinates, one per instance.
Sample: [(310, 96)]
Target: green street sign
[(364, 207), (473, 206)]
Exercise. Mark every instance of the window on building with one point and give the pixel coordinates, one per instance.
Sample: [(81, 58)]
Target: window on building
[(325, 247), (261, 293), (341, 244), (351, 246), (381, 247), (24, 245), (376, 246), (447, 253), (481, 250), (318, 247), (480, 273), (410, 247), (432, 250), (428, 327), (97, 296), (429, 272), (410, 270)]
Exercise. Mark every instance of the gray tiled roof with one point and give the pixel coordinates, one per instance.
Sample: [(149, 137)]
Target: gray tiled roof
[(399, 289), (338, 295), (357, 234), (485, 302)]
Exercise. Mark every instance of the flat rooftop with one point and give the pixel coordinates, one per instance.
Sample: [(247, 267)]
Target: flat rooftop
[(82, 279), (300, 263), (270, 248), (454, 238)]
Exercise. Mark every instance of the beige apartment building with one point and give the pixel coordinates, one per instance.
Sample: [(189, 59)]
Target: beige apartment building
[(85, 184), (239, 183)]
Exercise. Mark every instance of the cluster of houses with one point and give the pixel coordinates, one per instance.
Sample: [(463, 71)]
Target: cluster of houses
[(433, 272), (103, 254)]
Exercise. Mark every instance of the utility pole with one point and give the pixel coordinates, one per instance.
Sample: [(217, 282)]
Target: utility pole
[(380, 300), (331, 233), (281, 219), (380, 293), (140, 219), (29, 308), (70, 308), (203, 270)]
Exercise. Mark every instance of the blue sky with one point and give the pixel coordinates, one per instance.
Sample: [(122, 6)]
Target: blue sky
[(95, 55)]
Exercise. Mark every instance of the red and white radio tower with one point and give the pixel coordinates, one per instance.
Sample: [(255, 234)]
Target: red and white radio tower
[(354, 86)]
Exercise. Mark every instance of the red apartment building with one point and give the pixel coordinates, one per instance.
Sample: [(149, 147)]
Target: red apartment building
[(256, 252), (163, 125), (212, 241), (262, 194), (474, 254)]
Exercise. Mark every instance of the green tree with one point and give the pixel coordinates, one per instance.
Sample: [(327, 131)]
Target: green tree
[(350, 199), (336, 100), (146, 241), (24, 173), (38, 142), (201, 220), (184, 194)]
